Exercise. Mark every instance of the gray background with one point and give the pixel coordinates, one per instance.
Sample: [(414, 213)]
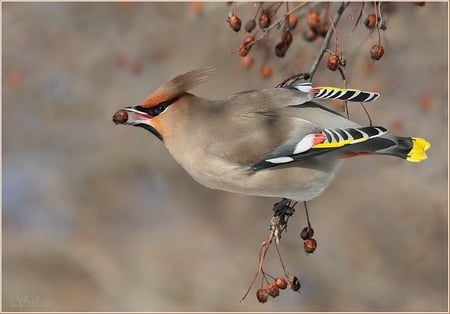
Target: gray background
[(99, 217)]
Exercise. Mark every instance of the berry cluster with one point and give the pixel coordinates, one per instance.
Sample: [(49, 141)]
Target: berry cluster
[(310, 243), (273, 288), (318, 22)]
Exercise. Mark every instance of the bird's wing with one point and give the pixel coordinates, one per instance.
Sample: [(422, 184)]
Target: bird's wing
[(325, 141)]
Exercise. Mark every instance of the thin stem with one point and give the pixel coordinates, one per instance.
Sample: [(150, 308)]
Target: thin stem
[(281, 260), (327, 39)]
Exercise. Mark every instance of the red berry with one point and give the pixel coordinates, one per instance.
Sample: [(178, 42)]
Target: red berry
[(376, 52), (310, 245), (333, 63), (292, 21), (371, 21), (235, 23), (266, 71), (264, 20), (247, 62), (120, 117), (313, 19)]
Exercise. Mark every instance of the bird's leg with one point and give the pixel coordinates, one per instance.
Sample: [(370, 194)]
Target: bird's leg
[(281, 213)]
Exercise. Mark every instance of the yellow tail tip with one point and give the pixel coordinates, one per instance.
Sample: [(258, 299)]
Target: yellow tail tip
[(417, 153)]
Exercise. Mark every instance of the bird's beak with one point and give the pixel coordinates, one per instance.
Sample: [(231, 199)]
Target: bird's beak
[(138, 117)]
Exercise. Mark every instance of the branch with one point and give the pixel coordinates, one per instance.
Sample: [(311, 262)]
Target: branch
[(327, 39)]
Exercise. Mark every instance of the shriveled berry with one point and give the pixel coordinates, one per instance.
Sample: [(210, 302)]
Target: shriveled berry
[(281, 283), (307, 233), (287, 37), (371, 21), (310, 245), (310, 35), (120, 117), (249, 40), (264, 20), (292, 21), (313, 19), (262, 295), (272, 290), (376, 52), (281, 49), (250, 25), (333, 63), (246, 45), (294, 283), (243, 50), (235, 23)]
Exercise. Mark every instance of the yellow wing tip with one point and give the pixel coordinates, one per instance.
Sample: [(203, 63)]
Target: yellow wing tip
[(417, 152)]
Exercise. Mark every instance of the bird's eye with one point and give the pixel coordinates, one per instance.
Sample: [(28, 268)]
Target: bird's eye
[(158, 109)]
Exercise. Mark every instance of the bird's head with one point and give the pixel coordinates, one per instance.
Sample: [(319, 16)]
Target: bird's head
[(150, 113)]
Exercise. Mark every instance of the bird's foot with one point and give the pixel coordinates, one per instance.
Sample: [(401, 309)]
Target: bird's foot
[(281, 213)]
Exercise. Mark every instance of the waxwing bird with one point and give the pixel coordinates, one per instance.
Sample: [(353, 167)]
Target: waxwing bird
[(275, 142)]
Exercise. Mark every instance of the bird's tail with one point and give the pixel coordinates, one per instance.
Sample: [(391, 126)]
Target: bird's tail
[(409, 148)]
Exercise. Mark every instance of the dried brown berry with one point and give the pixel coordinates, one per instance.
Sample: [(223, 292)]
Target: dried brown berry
[(310, 246), (281, 283), (264, 19), (248, 40), (313, 19), (120, 117), (323, 29), (310, 35), (246, 45), (243, 50), (292, 21), (262, 295), (333, 62), (250, 25), (235, 23), (307, 233), (266, 71), (287, 37), (272, 290), (376, 52), (294, 283), (371, 21), (281, 49)]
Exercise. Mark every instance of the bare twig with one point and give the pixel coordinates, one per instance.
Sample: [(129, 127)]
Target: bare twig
[(327, 39)]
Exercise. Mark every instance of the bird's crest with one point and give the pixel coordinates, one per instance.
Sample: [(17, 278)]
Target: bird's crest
[(177, 86)]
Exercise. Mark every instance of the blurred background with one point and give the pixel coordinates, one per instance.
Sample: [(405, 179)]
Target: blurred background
[(99, 217)]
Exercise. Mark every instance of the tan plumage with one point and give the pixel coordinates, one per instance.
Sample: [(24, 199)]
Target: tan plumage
[(273, 142)]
